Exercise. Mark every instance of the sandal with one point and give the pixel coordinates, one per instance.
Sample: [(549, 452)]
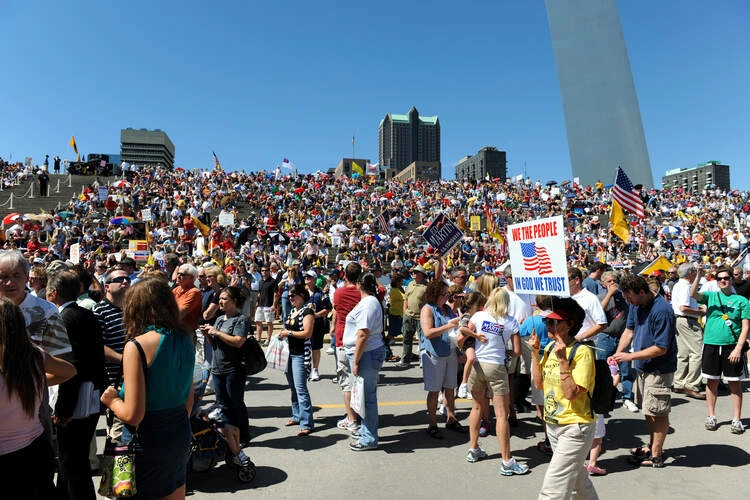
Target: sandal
[(304, 432), (455, 425), (434, 432), (290, 423), (655, 462), (640, 453)]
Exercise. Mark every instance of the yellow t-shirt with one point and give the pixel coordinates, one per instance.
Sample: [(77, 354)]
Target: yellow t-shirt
[(397, 302), (557, 409)]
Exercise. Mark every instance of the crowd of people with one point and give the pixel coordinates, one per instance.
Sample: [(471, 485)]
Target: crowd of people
[(232, 257)]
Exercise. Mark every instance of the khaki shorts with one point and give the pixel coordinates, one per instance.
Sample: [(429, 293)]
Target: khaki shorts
[(489, 375), (343, 370), (653, 393)]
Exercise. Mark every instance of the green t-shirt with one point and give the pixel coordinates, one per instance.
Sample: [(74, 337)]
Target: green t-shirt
[(736, 308)]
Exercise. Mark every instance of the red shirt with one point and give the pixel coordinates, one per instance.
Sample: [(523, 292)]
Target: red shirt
[(344, 300)]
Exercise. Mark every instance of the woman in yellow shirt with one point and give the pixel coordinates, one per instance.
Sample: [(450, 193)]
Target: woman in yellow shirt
[(567, 409), (395, 314)]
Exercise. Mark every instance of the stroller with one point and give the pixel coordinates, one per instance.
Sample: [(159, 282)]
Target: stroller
[(208, 445)]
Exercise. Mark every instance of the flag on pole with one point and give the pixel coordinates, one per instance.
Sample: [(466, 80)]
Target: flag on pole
[(660, 264), (285, 163), (74, 146), (384, 225), (357, 169), (626, 195), (618, 222), (217, 165)]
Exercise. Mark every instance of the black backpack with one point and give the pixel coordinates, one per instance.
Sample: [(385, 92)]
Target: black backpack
[(253, 357), (603, 396)]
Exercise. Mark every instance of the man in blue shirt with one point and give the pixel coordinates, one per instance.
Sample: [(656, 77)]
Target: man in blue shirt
[(651, 328)]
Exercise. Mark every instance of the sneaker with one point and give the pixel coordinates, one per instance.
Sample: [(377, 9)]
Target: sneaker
[(352, 427), (630, 406), (314, 375), (484, 429), (476, 455), (241, 460), (441, 410), (330, 350), (544, 447), (595, 471), (357, 446), (356, 434), (513, 468), (343, 423), (737, 427), (463, 391), (712, 424), (440, 397)]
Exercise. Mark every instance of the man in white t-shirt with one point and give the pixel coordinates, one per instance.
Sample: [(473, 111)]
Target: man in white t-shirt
[(689, 334), (595, 320)]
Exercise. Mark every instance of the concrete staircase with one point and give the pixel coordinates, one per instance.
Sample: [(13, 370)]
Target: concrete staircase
[(26, 198)]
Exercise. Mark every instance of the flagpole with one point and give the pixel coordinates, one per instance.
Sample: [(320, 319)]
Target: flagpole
[(353, 155)]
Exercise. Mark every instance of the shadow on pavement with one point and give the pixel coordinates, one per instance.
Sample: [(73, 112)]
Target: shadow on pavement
[(223, 479), (306, 443), (707, 455)]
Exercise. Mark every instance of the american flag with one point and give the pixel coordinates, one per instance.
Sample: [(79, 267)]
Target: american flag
[(535, 258), (626, 195), (383, 221)]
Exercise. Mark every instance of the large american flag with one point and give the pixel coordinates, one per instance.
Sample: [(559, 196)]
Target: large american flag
[(535, 258), (626, 195), (383, 221)]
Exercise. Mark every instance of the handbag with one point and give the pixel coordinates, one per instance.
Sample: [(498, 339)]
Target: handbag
[(253, 357), (118, 463)]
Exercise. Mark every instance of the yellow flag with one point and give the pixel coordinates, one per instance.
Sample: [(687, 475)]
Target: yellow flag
[(462, 223), (618, 222), (357, 169), (74, 146), (661, 263), (204, 229)]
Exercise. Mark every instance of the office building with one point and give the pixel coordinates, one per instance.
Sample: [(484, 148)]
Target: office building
[(409, 138), (711, 174), (602, 117), (488, 162), (146, 147)]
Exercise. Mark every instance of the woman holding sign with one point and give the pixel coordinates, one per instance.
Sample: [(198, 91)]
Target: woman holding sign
[(567, 409)]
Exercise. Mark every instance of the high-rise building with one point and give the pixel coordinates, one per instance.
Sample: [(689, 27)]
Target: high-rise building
[(146, 147), (409, 138), (487, 162), (706, 175), (600, 105)]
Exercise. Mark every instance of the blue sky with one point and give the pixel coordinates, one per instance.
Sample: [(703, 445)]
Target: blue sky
[(260, 81)]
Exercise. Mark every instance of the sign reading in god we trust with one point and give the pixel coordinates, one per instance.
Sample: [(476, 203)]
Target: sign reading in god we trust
[(537, 257), (442, 234)]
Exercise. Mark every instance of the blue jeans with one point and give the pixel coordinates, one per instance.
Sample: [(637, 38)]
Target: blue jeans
[(286, 308), (627, 376), (606, 346), (296, 375), (369, 369)]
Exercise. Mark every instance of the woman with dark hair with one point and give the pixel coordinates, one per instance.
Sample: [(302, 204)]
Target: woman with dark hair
[(395, 313), (363, 342), (298, 328), (26, 457), (567, 408), (156, 397), (227, 337), (439, 358)]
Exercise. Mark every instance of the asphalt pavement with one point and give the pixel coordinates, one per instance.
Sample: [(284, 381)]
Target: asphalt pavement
[(410, 464)]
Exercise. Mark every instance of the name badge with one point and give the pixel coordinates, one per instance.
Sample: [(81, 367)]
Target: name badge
[(728, 323)]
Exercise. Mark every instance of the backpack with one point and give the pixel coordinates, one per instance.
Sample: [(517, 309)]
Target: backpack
[(253, 357), (602, 397)]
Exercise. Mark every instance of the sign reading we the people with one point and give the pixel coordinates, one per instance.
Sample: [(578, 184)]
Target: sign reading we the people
[(537, 256), (442, 234)]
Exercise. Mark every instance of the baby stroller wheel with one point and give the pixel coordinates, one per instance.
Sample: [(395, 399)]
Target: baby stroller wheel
[(246, 473)]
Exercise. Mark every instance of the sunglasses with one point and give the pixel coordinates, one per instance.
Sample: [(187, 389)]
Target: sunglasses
[(551, 321), (119, 279), (723, 278)]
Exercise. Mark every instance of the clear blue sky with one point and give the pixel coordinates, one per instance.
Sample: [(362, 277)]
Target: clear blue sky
[(260, 81)]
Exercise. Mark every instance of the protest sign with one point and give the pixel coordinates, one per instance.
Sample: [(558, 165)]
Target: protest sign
[(476, 223), (537, 255), (442, 234)]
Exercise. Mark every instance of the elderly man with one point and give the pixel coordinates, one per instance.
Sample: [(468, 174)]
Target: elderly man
[(108, 314), (188, 296), (687, 378), (43, 322)]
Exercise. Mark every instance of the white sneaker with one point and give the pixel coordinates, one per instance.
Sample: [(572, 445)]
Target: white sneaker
[(343, 423), (463, 391), (314, 375), (330, 350), (441, 410), (630, 406), (440, 397)]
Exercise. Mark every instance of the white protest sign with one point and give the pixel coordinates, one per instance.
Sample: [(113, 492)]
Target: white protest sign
[(103, 193), (146, 214), (75, 253), (537, 255), (226, 219)]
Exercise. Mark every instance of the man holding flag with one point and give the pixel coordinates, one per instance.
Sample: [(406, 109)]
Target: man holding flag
[(624, 196)]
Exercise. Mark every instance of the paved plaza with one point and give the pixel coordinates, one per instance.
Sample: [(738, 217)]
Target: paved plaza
[(410, 464)]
